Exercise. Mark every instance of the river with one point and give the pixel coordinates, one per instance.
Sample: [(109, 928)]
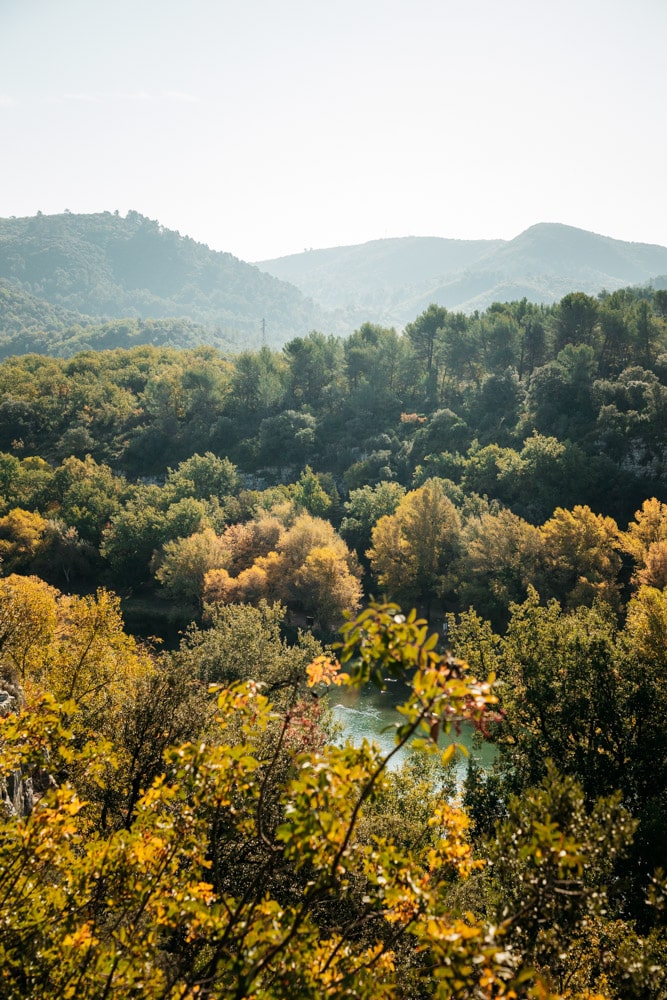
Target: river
[(371, 714)]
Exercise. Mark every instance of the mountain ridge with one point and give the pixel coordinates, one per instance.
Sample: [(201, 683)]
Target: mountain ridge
[(542, 263), (107, 266), (88, 272)]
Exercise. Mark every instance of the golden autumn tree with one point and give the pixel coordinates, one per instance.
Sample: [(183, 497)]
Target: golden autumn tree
[(646, 541), (238, 878), (309, 566), (21, 534), (414, 548), (327, 586), (170, 907), (581, 553), (28, 624), (181, 565)]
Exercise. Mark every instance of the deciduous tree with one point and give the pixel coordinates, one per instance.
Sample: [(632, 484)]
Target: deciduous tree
[(414, 548)]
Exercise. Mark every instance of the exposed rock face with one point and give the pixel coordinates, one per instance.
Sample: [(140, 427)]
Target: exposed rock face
[(17, 796), (8, 702)]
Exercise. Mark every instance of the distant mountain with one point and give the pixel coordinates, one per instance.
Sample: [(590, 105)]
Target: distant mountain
[(107, 266), (380, 276), (392, 281), (66, 281)]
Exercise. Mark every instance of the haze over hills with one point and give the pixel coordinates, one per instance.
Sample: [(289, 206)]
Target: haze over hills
[(67, 281), (107, 266), (394, 280)]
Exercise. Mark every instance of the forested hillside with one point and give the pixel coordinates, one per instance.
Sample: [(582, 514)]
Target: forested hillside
[(29, 325), (503, 473), (393, 280), (112, 267)]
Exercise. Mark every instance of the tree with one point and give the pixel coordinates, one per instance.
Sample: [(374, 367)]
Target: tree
[(182, 564), (314, 369), (21, 539), (425, 333), (28, 620), (94, 662), (194, 899), (564, 894), (250, 587), (560, 399), (257, 861), (248, 541), (500, 558), (257, 383), (443, 431), (65, 558), (581, 556), (287, 438), (25, 483), (576, 317), (88, 495), (201, 477), (372, 358), (327, 587), (364, 509), (309, 494), (562, 699), (133, 534), (413, 550), (144, 523), (648, 529)]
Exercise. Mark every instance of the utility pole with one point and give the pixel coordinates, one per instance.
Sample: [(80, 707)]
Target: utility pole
[(263, 332)]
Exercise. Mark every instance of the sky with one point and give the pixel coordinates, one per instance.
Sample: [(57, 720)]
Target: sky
[(263, 128)]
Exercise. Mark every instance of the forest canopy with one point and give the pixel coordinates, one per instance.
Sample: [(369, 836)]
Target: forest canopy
[(503, 473)]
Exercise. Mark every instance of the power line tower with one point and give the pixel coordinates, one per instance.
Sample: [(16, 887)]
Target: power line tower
[(263, 332)]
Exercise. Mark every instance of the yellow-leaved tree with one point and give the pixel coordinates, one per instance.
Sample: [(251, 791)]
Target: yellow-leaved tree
[(414, 548), (646, 541), (212, 890), (253, 867), (581, 552), (308, 567)]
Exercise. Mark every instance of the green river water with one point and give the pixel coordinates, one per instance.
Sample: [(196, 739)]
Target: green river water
[(371, 714)]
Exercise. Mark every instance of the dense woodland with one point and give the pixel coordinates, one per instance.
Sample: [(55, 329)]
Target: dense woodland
[(503, 472), (115, 267)]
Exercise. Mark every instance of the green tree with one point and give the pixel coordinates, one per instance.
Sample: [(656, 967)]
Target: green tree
[(309, 494), (88, 495), (314, 369), (201, 477), (364, 509), (287, 439), (424, 335), (182, 564), (560, 398), (575, 320), (554, 859), (373, 356)]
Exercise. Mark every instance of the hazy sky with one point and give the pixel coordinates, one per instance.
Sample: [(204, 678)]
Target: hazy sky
[(262, 127)]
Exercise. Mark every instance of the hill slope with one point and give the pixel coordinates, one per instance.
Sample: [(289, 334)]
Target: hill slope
[(380, 276), (397, 279), (104, 265), (29, 325)]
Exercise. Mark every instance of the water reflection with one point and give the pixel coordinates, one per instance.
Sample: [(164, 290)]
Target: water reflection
[(371, 714)]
